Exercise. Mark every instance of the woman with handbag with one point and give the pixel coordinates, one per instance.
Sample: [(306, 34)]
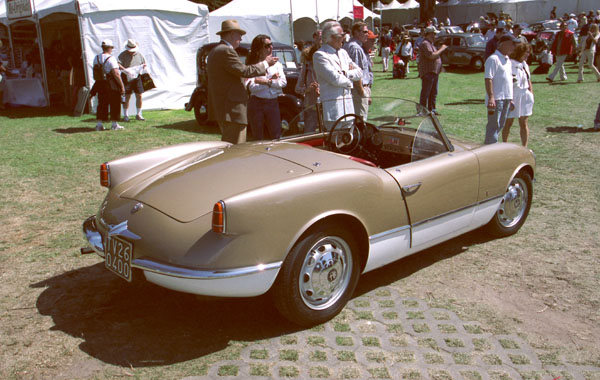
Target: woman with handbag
[(308, 86), (108, 86)]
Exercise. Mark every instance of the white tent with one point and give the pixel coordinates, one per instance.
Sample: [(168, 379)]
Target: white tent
[(402, 13), (273, 17), (168, 33), (464, 11)]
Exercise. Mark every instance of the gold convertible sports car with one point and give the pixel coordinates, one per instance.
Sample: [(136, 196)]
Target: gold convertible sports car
[(302, 217)]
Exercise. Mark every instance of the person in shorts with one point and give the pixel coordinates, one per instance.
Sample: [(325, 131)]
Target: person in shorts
[(133, 60)]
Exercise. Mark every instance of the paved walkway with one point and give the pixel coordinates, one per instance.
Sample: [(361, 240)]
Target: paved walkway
[(383, 336)]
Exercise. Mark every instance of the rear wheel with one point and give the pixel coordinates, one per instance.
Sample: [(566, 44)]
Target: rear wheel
[(201, 111), (318, 276), (514, 207)]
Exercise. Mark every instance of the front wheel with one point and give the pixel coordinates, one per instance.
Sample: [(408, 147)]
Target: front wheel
[(318, 277), (477, 63), (514, 207)]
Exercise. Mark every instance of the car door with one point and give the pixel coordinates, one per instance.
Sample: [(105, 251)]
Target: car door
[(461, 56), (440, 187)]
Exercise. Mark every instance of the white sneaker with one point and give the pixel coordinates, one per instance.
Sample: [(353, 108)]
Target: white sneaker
[(117, 127), (126, 119), (140, 118), (99, 127)]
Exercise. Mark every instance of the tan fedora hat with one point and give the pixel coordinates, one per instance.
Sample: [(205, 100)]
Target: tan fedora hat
[(230, 26)]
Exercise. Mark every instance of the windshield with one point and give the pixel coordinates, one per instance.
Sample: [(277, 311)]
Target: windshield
[(393, 134), (476, 40)]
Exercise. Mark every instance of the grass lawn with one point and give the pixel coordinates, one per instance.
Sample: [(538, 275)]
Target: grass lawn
[(541, 283)]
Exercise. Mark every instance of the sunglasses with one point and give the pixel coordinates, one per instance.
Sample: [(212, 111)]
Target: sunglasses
[(270, 45)]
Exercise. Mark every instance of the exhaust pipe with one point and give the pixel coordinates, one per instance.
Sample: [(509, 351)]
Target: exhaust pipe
[(86, 250)]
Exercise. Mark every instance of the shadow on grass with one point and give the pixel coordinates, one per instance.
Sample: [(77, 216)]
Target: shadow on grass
[(143, 325), (460, 70), (192, 126), (466, 102), (23, 112), (76, 130), (566, 129)]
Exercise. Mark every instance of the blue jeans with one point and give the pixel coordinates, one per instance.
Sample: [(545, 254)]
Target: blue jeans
[(496, 121), (263, 114), (429, 90)]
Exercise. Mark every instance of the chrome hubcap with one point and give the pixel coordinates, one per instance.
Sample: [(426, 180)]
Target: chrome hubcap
[(513, 205), (325, 273)]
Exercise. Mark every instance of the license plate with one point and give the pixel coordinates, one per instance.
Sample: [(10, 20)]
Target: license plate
[(118, 257)]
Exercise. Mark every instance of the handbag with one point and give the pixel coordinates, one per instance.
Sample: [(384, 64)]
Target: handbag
[(147, 82)]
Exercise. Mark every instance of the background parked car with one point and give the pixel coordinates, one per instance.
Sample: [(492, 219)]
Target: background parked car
[(290, 104), (464, 49)]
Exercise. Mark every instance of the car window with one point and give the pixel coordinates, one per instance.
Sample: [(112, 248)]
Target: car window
[(463, 43), (286, 58), (476, 40), (456, 41)]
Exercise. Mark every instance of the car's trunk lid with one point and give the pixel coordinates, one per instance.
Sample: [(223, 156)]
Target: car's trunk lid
[(188, 189)]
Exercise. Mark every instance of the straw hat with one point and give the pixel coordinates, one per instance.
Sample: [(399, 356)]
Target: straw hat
[(230, 26), (131, 46), (107, 42)]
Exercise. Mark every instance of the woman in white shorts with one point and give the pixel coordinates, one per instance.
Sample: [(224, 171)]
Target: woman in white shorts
[(522, 93)]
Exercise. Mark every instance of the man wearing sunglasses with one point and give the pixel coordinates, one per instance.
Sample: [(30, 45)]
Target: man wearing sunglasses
[(336, 74), (361, 90)]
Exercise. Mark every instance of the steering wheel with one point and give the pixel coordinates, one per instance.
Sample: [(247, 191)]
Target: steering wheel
[(346, 141)]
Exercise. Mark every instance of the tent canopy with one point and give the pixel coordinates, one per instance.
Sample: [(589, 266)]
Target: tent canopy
[(168, 33), (273, 17)]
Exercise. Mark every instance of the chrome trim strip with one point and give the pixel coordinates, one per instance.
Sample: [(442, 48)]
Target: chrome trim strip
[(388, 232), (174, 271), (455, 211)]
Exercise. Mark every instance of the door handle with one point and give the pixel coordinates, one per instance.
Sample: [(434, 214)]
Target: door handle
[(411, 189)]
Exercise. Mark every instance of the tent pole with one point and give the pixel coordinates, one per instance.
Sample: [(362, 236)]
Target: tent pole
[(82, 41), (38, 28), (317, 14), (291, 24)]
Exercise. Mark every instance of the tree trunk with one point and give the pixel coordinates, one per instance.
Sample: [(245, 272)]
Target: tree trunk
[(426, 10)]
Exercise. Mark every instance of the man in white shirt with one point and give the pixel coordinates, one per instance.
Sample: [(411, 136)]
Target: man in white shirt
[(335, 73), (572, 23), (499, 87)]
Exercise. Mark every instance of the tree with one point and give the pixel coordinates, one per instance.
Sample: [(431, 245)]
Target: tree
[(427, 10)]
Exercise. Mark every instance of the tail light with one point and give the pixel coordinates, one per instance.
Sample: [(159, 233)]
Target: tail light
[(104, 175), (219, 218)]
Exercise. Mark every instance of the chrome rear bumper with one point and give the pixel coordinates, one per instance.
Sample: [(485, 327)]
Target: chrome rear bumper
[(235, 282)]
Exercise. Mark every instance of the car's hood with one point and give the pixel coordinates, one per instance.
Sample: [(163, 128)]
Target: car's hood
[(187, 188)]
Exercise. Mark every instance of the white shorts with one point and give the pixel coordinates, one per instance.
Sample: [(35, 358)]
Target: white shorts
[(523, 99)]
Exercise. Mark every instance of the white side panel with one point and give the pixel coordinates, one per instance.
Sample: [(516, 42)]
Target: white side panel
[(485, 211), (387, 247), (443, 228)]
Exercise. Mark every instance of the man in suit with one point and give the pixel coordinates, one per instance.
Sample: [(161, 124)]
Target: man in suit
[(336, 74), (227, 96)]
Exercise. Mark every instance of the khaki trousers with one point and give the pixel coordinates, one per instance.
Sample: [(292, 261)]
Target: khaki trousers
[(233, 132)]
